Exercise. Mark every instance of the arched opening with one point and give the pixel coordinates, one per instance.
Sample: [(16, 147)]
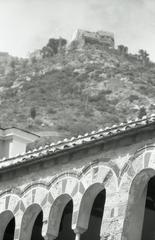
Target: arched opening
[(140, 214), (93, 231), (32, 222), (65, 230), (7, 225), (37, 228), (149, 215), (9, 231), (88, 220)]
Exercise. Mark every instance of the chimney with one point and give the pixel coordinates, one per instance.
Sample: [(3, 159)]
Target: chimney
[(13, 141)]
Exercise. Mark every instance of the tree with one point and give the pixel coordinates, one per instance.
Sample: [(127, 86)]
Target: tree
[(34, 60), (142, 113), (33, 112), (13, 64), (24, 63), (144, 56), (123, 50), (53, 46)]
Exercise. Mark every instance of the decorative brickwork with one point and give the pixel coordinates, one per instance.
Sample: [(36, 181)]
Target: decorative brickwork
[(121, 165)]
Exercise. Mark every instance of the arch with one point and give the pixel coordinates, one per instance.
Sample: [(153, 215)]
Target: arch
[(143, 158), (10, 230), (100, 173), (56, 213), (28, 221), (65, 230), (86, 205), (95, 218), (37, 227), (134, 215), (5, 218), (64, 185), (35, 195)]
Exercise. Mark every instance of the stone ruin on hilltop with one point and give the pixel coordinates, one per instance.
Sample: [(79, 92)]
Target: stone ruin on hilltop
[(82, 38)]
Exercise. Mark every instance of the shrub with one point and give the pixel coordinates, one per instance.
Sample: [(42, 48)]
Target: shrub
[(30, 122), (133, 97), (51, 110)]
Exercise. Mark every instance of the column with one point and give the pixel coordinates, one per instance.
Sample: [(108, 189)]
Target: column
[(49, 237), (78, 231), (77, 237)]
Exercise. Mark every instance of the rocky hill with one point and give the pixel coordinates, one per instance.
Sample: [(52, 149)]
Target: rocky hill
[(76, 89)]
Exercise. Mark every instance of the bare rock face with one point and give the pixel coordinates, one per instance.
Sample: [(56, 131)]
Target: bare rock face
[(82, 38)]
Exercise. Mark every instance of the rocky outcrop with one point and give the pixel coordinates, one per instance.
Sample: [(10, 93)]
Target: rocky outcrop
[(82, 38)]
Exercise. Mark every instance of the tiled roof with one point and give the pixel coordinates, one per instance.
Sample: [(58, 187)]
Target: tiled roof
[(66, 144)]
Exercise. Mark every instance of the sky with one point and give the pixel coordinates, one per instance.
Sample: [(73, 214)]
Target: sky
[(26, 25)]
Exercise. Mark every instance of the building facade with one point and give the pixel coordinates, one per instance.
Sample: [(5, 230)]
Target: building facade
[(97, 186)]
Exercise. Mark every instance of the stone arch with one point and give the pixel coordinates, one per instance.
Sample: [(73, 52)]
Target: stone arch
[(100, 173), (143, 158), (66, 184), (104, 175), (134, 214), (5, 218), (35, 195), (86, 206), (9, 202), (134, 179), (28, 221), (56, 214)]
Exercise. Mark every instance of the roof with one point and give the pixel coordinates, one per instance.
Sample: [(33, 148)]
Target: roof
[(20, 129), (102, 135)]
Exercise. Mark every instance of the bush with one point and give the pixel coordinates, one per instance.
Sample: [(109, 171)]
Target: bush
[(133, 97), (30, 122), (51, 110)]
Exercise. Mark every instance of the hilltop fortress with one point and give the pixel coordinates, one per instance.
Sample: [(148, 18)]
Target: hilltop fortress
[(82, 37)]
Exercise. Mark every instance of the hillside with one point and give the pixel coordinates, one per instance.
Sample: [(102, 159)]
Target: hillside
[(76, 90)]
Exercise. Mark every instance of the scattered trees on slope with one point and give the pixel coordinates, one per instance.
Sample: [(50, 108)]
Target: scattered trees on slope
[(53, 46)]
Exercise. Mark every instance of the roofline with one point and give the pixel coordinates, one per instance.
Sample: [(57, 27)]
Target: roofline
[(23, 130), (74, 144)]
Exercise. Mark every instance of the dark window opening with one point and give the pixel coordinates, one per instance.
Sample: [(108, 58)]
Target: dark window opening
[(37, 228), (148, 232), (65, 231), (93, 231), (9, 231)]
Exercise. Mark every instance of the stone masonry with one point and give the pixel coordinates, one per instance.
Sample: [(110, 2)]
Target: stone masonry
[(83, 37), (119, 160)]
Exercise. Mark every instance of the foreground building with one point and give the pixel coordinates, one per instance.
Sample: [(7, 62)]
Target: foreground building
[(97, 186)]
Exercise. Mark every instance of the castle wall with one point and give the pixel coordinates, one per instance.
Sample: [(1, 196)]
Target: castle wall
[(102, 38)]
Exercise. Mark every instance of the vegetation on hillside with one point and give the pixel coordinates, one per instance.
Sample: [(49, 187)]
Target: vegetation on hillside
[(73, 91)]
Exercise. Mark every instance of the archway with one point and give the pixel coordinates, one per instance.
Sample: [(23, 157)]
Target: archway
[(138, 207), (37, 227), (65, 230), (93, 231), (60, 218), (91, 207), (7, 225), (149, 215), (9, 231), (31, 225)]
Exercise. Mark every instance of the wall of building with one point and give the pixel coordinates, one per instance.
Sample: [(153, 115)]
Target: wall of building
[(122, 167)]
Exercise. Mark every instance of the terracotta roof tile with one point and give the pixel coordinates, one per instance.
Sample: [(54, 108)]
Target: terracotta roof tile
[(77, 141)]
